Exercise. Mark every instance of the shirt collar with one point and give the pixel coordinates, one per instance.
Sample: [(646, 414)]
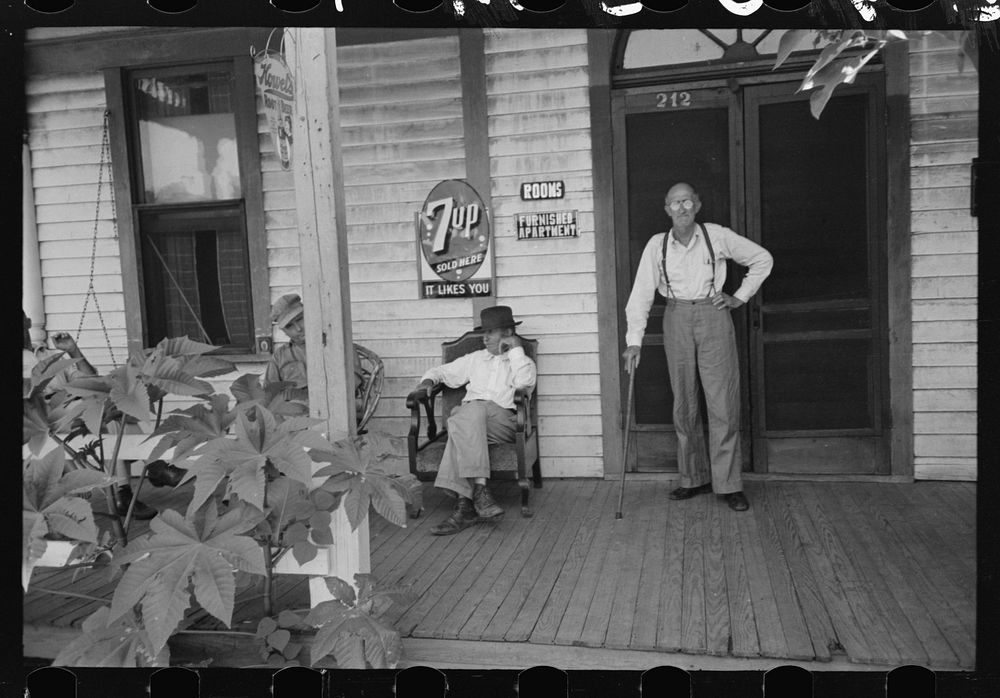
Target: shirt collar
[(697, 236)]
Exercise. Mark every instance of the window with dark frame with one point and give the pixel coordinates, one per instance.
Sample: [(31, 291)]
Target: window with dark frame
[(188, 205)]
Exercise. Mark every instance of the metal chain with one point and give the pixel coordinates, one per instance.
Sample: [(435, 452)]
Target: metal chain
[(91, 291)]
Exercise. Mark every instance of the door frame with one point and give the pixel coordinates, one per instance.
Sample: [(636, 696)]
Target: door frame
[(603, 46)]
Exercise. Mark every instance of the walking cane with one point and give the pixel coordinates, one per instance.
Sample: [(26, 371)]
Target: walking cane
[(628, 435)]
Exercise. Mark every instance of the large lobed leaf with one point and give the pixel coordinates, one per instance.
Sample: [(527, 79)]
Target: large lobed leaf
[(118, 643), (200, 552), (249, 392)]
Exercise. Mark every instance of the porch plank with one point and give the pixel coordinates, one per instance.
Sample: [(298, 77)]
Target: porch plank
[(615, 571), (670, 622), (449, 608), (953, 623), (439, 577), (771, 585), (647, 607), (629, 573), (870, 504), (480, 619), (575, 616), (539, 592), (950, 522), (555, 605), (742, 622), (529, 580), (439, 554), (717, 622), (893, 596), (408, 559), (846, 626), (874, 604), (862, 621), (693, 607), (410, 544), (395, 539), (458, 616), (792, 558), (927, 543)]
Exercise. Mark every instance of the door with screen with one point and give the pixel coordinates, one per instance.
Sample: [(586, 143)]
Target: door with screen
[(814, 200), (811, 342)]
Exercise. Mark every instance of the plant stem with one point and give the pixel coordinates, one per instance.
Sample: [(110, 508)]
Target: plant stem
[(159, 413), (135, 498), (120, 526), (268, 579), (116, 521), (60, 592)]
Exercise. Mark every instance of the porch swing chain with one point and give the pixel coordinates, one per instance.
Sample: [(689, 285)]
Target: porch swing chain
[(105, 166)]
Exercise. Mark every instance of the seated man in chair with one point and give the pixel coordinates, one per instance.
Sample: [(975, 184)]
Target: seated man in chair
[(486, 416)]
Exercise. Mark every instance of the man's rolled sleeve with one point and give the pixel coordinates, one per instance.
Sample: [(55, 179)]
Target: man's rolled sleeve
[(523, 370), (755, 258), (454, 374)]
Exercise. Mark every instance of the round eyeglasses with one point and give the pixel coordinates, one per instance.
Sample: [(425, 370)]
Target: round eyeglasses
[(676, 206)]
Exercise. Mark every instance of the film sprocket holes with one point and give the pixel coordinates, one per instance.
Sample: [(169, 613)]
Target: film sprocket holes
[(453, 231)]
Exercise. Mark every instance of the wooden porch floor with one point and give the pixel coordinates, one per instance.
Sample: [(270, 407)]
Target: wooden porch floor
[(871, 573)]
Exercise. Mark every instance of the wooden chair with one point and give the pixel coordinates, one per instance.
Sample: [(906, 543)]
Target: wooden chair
[(507, 460), (368, 392)]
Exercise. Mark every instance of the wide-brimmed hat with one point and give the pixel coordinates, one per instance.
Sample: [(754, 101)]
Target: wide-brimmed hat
[(496, 318), (286, 309)]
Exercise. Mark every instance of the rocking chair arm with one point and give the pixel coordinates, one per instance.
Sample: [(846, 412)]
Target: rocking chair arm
[(522, 403), (424, 397)]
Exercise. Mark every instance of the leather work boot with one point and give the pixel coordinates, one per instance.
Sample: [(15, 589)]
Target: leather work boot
[(140, 512), (463, 516), (486, 506)]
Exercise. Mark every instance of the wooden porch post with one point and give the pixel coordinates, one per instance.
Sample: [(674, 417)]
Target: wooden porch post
[(319, 196), (32, 300)]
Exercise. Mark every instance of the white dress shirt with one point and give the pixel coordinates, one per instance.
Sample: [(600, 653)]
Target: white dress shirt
[(690, 270), (487, 376)]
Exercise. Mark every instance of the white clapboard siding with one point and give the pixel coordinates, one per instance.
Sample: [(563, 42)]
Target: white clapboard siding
[(539, 129), (943, 141), (65, 117)]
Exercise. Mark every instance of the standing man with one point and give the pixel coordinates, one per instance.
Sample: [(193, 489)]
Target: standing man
[(486, 415), (687, 265)]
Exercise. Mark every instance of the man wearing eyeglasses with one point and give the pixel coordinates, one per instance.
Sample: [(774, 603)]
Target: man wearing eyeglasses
[(687, 265)]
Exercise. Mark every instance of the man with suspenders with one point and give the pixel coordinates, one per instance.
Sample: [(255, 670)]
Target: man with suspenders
[(687, 265)]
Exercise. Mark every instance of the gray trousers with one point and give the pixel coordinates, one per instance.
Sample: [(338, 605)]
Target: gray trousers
[(699, 340), (472, 427)]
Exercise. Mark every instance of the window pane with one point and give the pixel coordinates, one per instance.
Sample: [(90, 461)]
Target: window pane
[(196, 276), (187, 137)]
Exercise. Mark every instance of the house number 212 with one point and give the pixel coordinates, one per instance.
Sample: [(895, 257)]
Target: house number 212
[(673, 100)]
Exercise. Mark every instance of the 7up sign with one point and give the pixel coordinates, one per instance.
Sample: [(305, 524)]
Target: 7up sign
[(453, 235)]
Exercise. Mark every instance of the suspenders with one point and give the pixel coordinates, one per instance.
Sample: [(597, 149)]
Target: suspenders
[(711, 253)]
